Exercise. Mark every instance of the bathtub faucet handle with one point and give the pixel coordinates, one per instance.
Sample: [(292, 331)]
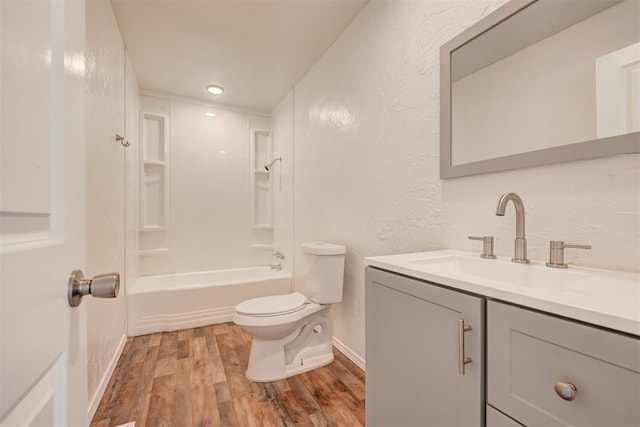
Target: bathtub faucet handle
[(279, 255)]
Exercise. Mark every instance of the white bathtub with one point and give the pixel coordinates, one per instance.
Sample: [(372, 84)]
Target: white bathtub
[(170, 302)]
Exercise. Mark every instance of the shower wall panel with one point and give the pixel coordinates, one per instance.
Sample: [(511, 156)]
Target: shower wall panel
[(209, 202), (282, 182)]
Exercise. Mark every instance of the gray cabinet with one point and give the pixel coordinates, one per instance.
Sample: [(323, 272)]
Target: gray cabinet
[(529, 352), (496, 418), (416, 341)]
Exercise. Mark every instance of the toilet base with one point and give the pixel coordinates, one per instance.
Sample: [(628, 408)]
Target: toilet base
[(294, 369), (308, 347)]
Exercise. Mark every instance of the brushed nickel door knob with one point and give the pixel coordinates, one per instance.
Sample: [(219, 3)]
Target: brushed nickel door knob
[(567, 391), (101, 286)]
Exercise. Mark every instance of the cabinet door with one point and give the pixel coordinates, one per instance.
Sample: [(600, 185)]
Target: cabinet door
[(530, 352), (496, 418), (413, 353)]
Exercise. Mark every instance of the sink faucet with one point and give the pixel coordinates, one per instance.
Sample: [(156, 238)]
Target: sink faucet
[(520, 254)]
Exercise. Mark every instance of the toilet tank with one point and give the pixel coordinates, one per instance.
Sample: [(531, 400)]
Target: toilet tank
[(322, 272)]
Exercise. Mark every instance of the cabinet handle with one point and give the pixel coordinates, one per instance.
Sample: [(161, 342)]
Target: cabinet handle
[(567, 391), (462, 359)]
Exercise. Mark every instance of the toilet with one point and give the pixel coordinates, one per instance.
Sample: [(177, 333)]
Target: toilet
[(292, 333)]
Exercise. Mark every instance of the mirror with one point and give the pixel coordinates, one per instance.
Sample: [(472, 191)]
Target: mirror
[(540, 82)]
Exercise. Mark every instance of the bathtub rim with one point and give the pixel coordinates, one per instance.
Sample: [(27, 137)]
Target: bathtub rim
[(138, 285)]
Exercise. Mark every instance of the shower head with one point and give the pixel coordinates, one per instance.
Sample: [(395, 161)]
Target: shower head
[(268, 167)]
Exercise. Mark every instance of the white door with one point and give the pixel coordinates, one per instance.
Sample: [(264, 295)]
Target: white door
[(42, 219)]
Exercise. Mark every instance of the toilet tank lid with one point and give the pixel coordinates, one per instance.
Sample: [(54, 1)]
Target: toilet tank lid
[(322, 248)]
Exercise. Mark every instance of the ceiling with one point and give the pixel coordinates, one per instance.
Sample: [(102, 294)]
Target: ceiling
[(256, 49)]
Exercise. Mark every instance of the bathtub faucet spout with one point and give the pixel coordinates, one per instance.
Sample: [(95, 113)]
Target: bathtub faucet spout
[(276, 266)]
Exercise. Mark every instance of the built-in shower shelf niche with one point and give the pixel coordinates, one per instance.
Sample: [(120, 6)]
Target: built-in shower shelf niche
[(153, 229), (151, 252), (262, 227), (154, 183), (262, 238), (261, 189), (154, 136), (154, 201), (154, 162)]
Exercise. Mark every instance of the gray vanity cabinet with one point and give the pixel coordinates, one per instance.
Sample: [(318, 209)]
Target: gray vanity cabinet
[(529, 354), (416, 343)]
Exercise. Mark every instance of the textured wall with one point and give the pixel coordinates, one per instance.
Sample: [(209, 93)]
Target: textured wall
[(367, 152), (132, 111), (104, 107)]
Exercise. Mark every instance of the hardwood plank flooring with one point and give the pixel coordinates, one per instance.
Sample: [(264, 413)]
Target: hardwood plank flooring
[(195, 377)]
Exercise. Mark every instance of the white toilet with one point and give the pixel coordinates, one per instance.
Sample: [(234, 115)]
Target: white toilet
[(292, 333)]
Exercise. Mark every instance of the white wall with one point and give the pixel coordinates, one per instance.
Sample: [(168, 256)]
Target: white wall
[(367, 151), (132, 110), (105, 160), (209, 192), (282, 180)]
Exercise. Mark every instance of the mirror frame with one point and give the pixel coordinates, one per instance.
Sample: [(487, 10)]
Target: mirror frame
[(603, 147)]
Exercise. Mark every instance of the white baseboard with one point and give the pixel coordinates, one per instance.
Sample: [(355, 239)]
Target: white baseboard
[(104, 381), (351, 355)]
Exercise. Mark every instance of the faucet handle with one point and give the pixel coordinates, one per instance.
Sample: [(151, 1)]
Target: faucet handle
[(487, 246), (575, 245), (556, 252)]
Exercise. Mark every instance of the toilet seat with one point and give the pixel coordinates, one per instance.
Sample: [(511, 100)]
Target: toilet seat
[(274, 305)]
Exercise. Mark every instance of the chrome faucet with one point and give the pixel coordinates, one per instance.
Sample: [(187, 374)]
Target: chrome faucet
[(520, 244), (276, 267)]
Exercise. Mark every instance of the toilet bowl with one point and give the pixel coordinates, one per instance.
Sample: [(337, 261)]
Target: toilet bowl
[(292, 333), (286, 343)]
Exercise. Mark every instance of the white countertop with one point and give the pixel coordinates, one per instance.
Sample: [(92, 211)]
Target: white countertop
[(606, 298)]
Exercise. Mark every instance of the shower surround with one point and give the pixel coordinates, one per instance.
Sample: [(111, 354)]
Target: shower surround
[(209, 212), (195, 188)]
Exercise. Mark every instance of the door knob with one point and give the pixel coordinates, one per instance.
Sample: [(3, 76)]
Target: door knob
[(101, 286)]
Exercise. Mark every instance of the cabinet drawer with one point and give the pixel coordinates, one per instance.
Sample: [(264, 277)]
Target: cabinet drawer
[(528, 352), (496, 418)]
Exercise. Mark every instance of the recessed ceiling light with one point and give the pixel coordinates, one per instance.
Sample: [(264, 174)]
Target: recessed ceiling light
[(215, 89), (210, 114)]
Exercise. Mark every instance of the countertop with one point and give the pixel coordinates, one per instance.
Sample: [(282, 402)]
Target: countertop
[(605, 298)]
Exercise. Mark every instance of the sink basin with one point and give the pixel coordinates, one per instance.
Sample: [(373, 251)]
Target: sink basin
[(506, 272)]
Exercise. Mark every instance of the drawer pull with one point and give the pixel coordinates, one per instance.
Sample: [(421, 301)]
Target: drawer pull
[(567, 391), (462, 359)]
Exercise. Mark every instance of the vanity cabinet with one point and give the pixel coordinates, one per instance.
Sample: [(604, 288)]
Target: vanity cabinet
[(528, 353), (418, 336), (496, 418)]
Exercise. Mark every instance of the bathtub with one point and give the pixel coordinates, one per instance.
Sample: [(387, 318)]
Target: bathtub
[(170, 302)]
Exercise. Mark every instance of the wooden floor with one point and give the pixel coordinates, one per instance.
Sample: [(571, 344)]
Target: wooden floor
[(196, 377)]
